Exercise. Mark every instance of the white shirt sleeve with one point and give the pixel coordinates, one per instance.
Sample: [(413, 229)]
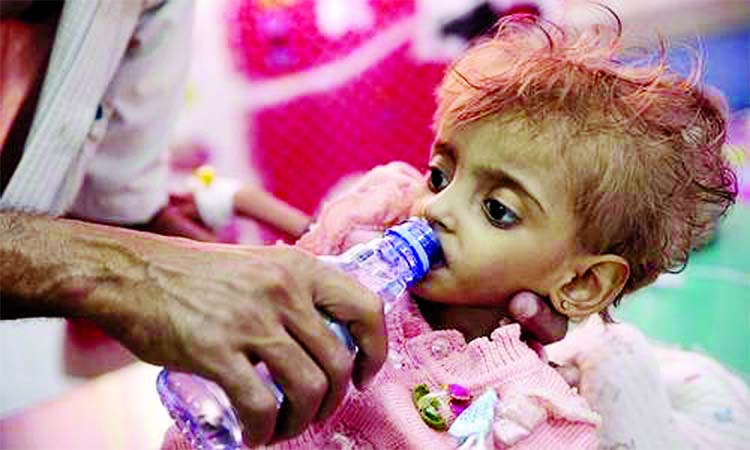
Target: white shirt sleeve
[(126, 177)]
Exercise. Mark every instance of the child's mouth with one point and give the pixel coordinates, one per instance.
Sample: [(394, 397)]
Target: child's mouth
[(442, 261), (439, 265)]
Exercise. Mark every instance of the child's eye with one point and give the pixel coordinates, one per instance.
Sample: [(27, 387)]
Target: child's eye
[(437, 180), (499, 214)]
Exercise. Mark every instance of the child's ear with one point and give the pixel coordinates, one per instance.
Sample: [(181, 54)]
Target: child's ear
[(596, 282)]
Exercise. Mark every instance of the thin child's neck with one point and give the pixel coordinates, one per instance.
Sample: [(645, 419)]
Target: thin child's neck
[(471, 321)]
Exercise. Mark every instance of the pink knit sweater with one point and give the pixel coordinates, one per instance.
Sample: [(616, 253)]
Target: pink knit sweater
[(536, 408)]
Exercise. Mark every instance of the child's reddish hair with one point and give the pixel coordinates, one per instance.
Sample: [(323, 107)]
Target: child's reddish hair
[(640, 146)]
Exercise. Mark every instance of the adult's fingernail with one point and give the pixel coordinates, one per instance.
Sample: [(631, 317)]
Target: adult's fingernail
[(525, 306)]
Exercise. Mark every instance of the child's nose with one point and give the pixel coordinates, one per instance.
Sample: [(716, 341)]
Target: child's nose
[(441, 213)]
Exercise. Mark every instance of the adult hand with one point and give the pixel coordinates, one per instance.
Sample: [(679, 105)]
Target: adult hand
[(542, 325), (209, 309), (216, 310), (539, 322)]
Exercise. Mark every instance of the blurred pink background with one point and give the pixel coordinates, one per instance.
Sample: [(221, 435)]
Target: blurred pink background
[(298, 95)]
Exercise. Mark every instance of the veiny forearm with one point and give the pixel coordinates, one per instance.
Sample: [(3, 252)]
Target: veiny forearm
[(65, 268), (207, 309)]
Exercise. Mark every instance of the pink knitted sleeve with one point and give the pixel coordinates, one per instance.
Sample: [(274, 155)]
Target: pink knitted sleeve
[(541, 411), (536, 408)]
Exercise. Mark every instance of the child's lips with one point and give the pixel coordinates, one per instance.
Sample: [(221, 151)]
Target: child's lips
[(444, 259), (441, 263)]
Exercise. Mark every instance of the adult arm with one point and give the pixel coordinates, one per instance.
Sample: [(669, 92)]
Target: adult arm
[(208, 309)]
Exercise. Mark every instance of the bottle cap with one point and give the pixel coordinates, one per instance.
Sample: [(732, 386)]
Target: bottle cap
[(422, 240)]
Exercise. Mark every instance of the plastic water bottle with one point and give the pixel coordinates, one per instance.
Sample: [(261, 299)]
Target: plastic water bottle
[(388, 266)]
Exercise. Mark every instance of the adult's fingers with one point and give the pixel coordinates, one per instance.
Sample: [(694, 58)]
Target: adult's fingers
[(253, 400), (373, 349), (303, 382), (351, 304), (330, 354), (537, 318)]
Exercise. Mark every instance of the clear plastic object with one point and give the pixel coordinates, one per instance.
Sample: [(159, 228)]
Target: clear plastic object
[(388, 266)]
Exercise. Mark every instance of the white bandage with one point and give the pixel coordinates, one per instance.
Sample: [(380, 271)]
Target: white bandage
[(215, 202)]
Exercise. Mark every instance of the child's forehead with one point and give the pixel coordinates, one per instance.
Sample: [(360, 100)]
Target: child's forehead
[(507, 139)]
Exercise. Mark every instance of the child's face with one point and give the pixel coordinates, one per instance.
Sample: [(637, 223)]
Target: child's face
[(502, 211)]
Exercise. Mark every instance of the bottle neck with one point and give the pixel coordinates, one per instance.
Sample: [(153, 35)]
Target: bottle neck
[(417, 241), (413, 267)]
